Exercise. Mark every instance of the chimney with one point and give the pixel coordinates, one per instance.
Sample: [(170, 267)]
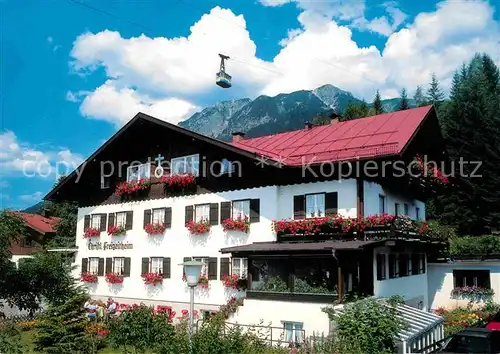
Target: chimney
[(335, 118), (308, 125), (238, 136)]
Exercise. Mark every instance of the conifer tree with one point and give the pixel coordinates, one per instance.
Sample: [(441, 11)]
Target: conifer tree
[(435, 94), (354, 111), (419, 97), (403, 102), (377, 104)]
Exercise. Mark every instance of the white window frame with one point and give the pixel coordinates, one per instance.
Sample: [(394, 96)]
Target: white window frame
[(93, 265), (199, 213), (158, 216), (292, 331), (118, 265), (195, 169), (240, 208), (122, 217), (144, 167), (241, 268), (95, 221), (204, 268), (105, 182), (318, 200), (158, 267), (227, 167)]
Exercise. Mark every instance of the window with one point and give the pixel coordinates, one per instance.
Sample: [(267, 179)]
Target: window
[(241, 208), (415, 263), (105, 182), (95, 221), (207, 314), (407, 209), (393, 266), (404, 261), (381, 266), (159, 216), (293, 331), (25, 242), (396, 209), (227, 166), (479, 278), (137, 172), (417, 213), (315, 205), (381, 204), (93, 265), (156, 265), (186, 165), (119, 265), (202, 212), (421, 263), (240, 267), (204, 269), (121, 219)]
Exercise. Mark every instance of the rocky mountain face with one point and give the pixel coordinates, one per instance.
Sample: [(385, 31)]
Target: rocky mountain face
[(268, 115)]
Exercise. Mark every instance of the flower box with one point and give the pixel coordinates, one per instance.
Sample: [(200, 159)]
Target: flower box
[(152, 278), (233, 281), (429, 172), (132, 187), (203, 282), (198, 228), (155, 229), (92, 232), (178, 184), (116, 230), (239, 224), (88, 277), (113, 278), (474, 292)]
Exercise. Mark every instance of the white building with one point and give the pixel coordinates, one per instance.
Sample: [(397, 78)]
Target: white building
[(265, 180)]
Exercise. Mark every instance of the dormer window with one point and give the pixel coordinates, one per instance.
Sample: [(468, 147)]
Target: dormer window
[(137, 172), (186, 165), (227, 166)]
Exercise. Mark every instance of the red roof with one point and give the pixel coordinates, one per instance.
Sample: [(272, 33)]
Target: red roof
[(380, 135), (38, 222)]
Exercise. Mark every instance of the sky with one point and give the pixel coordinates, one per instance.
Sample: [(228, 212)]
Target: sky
[(72, 72)]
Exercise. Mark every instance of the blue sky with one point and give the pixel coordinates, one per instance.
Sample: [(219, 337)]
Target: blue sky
[(74, 71)]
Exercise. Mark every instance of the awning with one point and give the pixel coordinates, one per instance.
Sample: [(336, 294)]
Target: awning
[(300, 246)]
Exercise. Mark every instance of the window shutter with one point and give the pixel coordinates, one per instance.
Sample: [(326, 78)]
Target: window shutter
[(225, 211), (129, 220), (331, 204), (85, 265), (100, 267), (145, 265), (189, 213), (126, 267), (86, 222), (168, 217), (254, 210), (185, 259), (111, 220), (224, 266), (109, 265), (103, 222), (212, 268), (214, 213), (147, 217), (298, 207), (166, 268)]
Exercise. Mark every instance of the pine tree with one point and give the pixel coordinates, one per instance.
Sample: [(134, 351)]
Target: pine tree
[(354, 111), (434, 93), (419, 97), (377, 104), (403, 102)]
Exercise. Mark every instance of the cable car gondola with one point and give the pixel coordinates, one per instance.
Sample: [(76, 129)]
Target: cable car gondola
[(222, 78)]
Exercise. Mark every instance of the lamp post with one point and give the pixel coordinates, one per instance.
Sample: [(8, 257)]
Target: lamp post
[(192, 270)]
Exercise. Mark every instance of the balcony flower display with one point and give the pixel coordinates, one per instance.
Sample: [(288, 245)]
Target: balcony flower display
[(88, 277), (472, 292), (202, 282), (131, 187), (178, 181), (92, 232), (233, 281), (116, 230), (113, 278), (231, 306), (155, 229), (152, 278), (239, 224), (198, 228), (429, 171)]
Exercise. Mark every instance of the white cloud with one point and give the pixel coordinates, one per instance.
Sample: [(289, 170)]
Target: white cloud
[(18, 158), (160, 75), (274, 2), (31, 198)]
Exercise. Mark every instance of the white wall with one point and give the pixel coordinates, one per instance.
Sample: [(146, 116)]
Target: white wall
[(372, 192), (413, 288), (441, 282), (274, 312), (15, 258)]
